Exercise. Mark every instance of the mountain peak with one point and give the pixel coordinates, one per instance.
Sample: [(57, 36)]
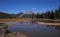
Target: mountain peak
[(28, 12)]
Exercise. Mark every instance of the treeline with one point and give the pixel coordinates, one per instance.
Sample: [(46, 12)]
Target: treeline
[(44, 15), (5, 15), (50, 14)]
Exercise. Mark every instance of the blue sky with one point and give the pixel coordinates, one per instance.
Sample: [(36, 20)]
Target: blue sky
[(16, 6)]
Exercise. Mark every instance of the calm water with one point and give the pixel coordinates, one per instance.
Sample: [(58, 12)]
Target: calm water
[(34, 30)]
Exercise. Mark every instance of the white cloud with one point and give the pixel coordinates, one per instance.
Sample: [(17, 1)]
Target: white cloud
[(44, 10), (34, 8)]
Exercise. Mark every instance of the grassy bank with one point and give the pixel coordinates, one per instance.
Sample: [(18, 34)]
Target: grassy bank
[(13, 19)]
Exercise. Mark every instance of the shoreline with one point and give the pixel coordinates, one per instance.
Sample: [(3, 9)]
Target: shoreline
[(43, 23), (38, 21)]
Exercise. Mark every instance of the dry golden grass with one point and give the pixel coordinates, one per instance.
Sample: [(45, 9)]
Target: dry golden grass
[(9, 35), (13, 20)]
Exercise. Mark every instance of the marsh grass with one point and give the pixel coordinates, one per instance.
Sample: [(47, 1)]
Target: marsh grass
[(13, 20)]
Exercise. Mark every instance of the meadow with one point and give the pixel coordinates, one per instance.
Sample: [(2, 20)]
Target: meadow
[(13, 20)]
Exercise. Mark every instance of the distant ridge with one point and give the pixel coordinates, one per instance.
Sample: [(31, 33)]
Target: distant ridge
[(6, 15), (27, 14)]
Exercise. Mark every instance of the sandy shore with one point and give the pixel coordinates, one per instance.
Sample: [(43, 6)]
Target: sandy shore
[(43, 23)]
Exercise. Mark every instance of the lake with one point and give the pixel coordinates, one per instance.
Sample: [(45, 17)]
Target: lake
[(35, 30)]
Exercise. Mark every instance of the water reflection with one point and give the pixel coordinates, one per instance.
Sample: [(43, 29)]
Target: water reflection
[(33, 30)]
